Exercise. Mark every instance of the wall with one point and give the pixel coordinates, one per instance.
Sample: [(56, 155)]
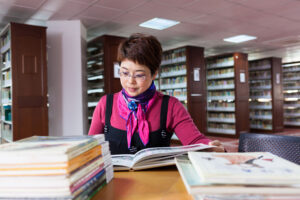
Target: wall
[(66, 80)]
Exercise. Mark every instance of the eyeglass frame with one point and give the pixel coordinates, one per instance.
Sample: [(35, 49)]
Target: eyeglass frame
[(136, 77)]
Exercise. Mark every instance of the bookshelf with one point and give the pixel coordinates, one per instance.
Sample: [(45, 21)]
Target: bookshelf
[(227, 94), (266, 95), (101, 69), (182, 75), (291, 90), (24, 110)]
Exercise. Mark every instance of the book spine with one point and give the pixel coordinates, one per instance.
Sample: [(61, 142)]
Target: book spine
[(80, 192), (84, 158)]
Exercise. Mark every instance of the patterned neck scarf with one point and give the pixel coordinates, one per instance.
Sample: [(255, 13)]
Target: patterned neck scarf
[(133, 110)]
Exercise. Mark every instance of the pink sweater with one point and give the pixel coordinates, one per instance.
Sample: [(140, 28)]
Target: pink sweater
[(178, 120)]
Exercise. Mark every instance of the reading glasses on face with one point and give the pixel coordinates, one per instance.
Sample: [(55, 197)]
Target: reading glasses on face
[(137, 77)]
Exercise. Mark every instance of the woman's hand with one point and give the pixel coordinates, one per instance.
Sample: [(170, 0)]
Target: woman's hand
[(219, 147)]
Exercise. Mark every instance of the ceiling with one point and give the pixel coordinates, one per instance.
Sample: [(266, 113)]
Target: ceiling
[(275, 23)]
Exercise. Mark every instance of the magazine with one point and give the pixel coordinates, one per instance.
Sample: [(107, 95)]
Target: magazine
[(252, 168), (153, 157), (196, 186)]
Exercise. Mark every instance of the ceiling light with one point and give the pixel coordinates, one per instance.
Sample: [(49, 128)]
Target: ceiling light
[(240, 38), (159, 23)]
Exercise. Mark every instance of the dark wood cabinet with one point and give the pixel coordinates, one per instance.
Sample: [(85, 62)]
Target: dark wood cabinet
[(182, 74), (227, 94), (24, 82), (101, 68), (266, 95)]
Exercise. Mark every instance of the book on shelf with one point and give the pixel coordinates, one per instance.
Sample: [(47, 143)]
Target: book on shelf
[(153, 157), (196, 185), (251, 168)]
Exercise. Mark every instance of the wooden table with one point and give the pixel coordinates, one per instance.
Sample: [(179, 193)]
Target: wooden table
[(159, 183)]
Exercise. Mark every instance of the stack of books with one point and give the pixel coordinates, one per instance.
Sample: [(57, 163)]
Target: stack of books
[(49, 167), (208, 175)]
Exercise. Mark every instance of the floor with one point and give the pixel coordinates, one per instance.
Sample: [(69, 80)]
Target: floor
[(231, 144)]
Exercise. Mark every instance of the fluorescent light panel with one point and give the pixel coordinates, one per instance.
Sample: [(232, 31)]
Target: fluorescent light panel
[(240, 38), (159, 23)]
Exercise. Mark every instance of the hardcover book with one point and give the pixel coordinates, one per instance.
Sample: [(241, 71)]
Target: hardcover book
[(153, 157)]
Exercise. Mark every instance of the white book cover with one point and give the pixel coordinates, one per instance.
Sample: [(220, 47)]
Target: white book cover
[(196, 186), (258, 168)]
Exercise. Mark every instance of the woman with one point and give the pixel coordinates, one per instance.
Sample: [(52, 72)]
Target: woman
[(138, 116)]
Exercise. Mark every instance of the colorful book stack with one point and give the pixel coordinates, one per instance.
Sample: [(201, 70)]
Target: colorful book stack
[(49, 167)]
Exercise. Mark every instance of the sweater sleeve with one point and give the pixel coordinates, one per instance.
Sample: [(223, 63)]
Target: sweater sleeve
[(180, 122), (98, 120)]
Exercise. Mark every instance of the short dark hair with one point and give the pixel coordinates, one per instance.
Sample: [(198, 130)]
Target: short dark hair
[(142, 49)]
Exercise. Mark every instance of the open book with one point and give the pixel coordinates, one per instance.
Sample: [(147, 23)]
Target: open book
[(153, 157), (252, 168), (195, 184)]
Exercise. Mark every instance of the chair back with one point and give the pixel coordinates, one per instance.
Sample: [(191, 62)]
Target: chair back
[(287, 147)]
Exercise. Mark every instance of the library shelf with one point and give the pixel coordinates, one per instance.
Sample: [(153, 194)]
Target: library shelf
[(24, 108), (182, 75), (227, 109), (291, 91), (266, 95), (102, 70)]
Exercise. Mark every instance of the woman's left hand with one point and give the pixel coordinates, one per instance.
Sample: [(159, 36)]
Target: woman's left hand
[(218, 146)]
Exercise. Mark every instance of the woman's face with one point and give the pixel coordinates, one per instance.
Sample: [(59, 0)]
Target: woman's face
[(135, 78)]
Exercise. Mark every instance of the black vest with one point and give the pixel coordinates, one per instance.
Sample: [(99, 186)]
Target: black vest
[(118, 138)]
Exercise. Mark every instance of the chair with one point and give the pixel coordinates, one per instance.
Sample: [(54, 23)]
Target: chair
[(287, 147)]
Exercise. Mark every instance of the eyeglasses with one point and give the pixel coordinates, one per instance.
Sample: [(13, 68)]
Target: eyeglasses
[(137, 77)]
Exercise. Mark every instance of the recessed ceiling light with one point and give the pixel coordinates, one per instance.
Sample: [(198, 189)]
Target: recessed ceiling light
[(240, 38), (159, 23)]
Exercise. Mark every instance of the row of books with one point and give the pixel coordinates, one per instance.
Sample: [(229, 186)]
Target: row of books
[(6, 58), (229, 93), (5, 39), (176, 92), (177, 67), (178, 55), (220, 82), (259, 65), (223, 104), (260, 74), (48, 167), (221, 115), (261, 83), (261, 124), (220, 126), (221, 62), (291, 75), (220, 71), (181, 79), (232, 176), (260, 93), (6, 75)]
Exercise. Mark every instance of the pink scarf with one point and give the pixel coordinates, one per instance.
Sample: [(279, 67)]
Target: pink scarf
[(135, 119)]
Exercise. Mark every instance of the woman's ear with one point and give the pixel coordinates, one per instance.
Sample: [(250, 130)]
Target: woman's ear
[(154, 75)]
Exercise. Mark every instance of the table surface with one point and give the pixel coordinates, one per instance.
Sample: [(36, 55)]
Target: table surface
[(160, 183)]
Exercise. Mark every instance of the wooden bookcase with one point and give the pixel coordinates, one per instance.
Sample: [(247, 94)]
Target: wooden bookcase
[(266, 95), (227, 94), (182, 74), (23, 82), (101, 68), (291, 90)]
